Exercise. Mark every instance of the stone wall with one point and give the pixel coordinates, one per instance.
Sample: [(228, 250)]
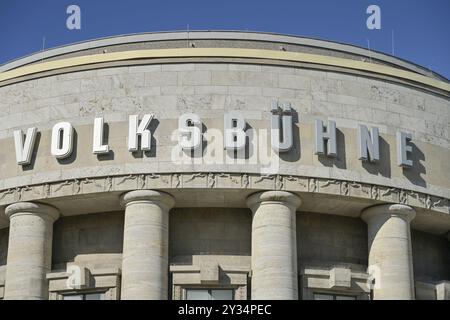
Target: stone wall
[(328, 241), (214, 243), (223, 234), (210, 90), (93, 240), (431, 257)]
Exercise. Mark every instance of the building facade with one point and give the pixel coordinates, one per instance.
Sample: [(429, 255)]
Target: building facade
[(223, 165)]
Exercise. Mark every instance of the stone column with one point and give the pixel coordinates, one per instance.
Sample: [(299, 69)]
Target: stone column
[(29, 250), (274, 245), (146, 245), (390, 253)]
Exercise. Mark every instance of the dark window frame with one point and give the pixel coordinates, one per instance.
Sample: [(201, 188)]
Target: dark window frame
[(209, 289), (334, 295), (83, 294)]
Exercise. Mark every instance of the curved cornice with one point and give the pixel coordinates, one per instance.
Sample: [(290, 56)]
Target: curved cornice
[(91, 60), (218, 35)]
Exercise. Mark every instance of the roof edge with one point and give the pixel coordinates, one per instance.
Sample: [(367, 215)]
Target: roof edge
[(225, 35)]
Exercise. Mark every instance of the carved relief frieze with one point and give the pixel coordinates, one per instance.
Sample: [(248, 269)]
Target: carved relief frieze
[(127, 182), (279, 182), (330, 186), (176, 180), (265, 181), (195, 180), (89, 185), (227, 180), (388, 194), (313, 185), (345, 188), (157, 181)]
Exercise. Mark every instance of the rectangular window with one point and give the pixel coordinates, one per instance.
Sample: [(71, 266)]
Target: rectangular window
[(209, 294), (330, 296), (85, 296), (345, 298), (319, 296)]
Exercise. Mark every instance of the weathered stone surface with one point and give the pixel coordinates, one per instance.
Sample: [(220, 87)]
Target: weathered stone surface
[(390, 253), (213, 238)]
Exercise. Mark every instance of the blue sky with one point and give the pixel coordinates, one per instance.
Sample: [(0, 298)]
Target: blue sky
[(421, 27)]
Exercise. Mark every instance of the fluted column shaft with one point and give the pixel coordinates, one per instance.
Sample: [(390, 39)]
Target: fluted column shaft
[(274, 245), (390, 253), (29, 250), (146, 245)]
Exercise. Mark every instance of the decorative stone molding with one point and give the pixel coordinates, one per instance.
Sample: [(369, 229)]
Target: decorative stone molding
[(22, 208), (220, 180), (402, 210), (289, 199), (93, 280), (336, 280), (209, 275), (161, 198)]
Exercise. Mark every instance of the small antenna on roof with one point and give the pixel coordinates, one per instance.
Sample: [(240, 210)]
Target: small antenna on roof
[(370, 52), (188, 35), (43, 48), (392, 42)]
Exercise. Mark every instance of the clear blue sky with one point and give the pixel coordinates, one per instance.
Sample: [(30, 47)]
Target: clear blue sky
[(421, 27)]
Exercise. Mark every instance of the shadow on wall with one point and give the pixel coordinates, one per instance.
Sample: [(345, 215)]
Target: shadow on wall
[(431, 256), (153, 145), (4, 237), (383, 167), (325, 238), (294, 154), (73, 156), (100, 233), (339, 161), (110, 154), (208, 231), (34, 154), (414, 174)]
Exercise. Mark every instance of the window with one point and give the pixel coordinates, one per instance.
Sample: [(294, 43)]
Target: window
[(85, 296), (329, 296), (209, 294)]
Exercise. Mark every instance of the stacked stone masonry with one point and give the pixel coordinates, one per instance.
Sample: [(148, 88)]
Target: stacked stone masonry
[(138, 225)]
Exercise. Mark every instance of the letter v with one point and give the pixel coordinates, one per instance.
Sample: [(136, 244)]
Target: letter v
[(24, 150)]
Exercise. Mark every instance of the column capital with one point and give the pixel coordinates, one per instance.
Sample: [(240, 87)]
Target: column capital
[(154, 196), (287, 198), (23, 208), (389, 209)]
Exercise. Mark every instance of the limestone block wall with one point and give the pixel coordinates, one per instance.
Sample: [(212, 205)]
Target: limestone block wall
[(210, 90), (327, 240), (334, 191), (94, 241), (431, 257), (205, 236), (224, 234)]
